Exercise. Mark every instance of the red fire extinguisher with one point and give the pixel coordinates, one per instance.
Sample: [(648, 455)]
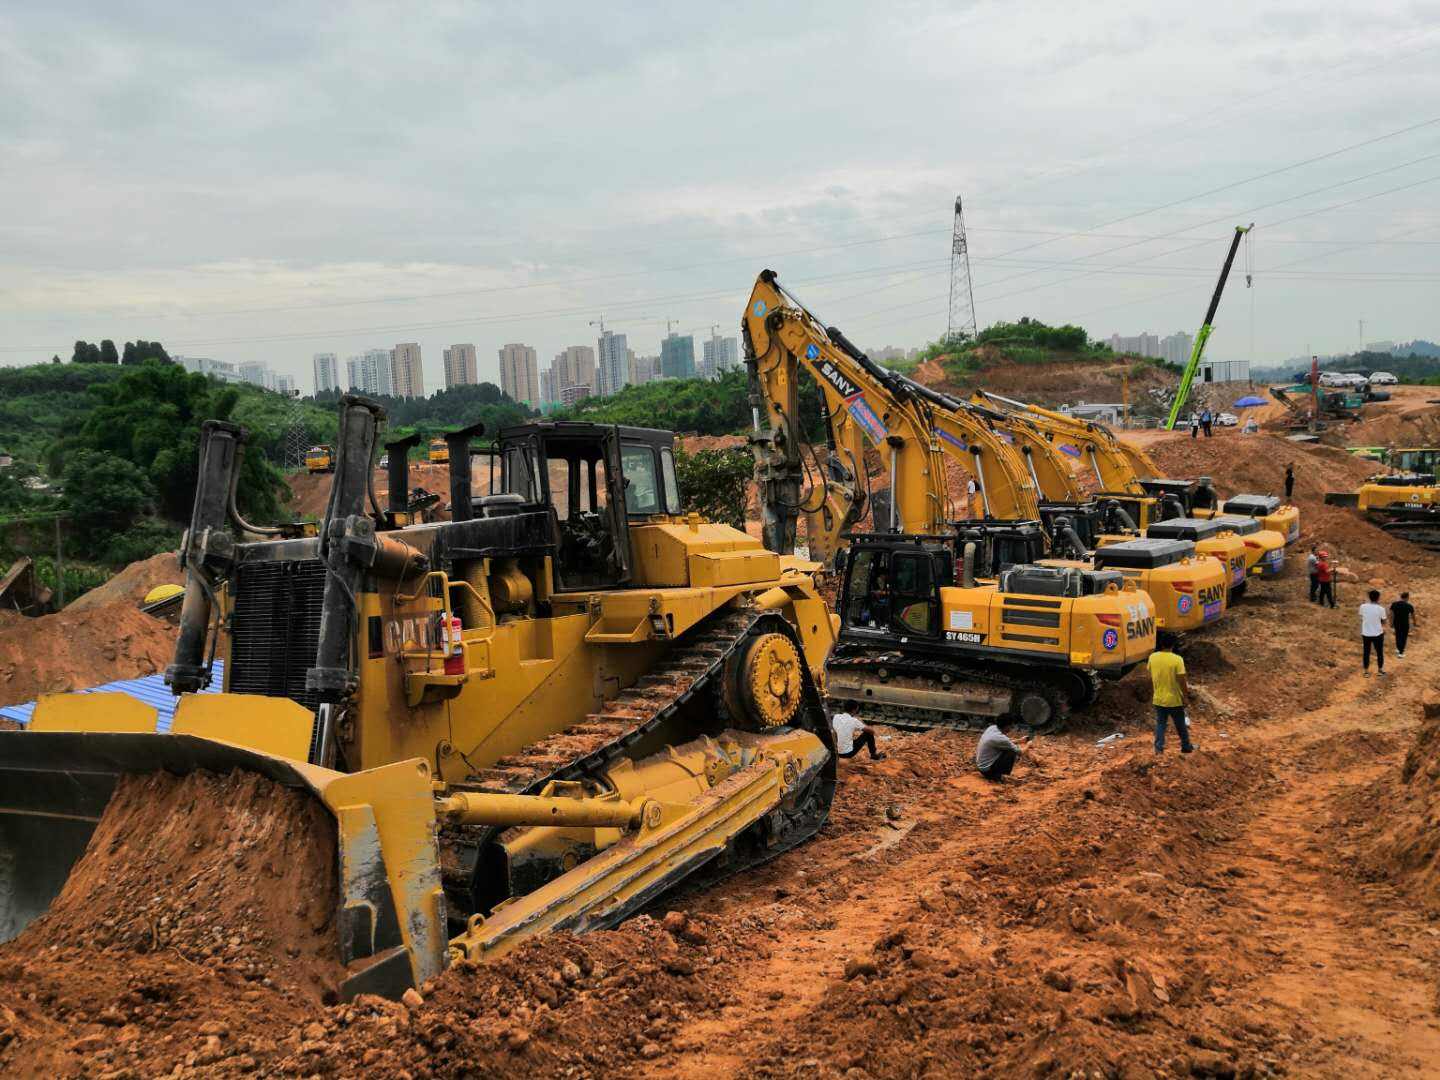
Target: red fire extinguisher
[(454, 651)]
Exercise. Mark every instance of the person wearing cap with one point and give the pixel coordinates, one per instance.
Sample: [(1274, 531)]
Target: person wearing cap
[(1326, 575), (1312, 562)]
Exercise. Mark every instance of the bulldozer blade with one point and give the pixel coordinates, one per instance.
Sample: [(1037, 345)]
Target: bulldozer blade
[(55, 785)]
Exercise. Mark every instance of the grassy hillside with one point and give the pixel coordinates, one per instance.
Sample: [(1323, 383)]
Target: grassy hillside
[(1027, 342)]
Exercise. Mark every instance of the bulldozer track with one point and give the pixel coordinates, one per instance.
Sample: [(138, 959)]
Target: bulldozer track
[(936, 671), (692, 667)]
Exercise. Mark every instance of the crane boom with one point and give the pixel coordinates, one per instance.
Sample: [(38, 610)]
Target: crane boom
[(1206, 328)]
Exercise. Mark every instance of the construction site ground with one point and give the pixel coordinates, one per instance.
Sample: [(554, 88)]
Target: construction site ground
[(1269, 905)]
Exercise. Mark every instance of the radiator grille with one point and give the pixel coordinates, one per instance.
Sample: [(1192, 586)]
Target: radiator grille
[(275, 627)]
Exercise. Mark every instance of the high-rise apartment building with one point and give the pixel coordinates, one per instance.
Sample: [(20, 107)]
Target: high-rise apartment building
[(327, 372), (282, 384), (614, 371), (460, 366), (520, 374), (575, 366), (547, 387), (1175, 348), (643, 369), (720, 355), (369, 372), (1146, 344), (255, 372), (677, 357), (406, 375), (224, 370)]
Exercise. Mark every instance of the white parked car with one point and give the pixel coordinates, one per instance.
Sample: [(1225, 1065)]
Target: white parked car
[(1382, 378), (1226, 419), (1341, 378)]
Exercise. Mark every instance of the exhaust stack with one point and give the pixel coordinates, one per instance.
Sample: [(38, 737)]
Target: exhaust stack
[(458, 442), (208, 548)]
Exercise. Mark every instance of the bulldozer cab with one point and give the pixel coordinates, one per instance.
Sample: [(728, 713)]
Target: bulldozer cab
[(892, 586), (596, 479)]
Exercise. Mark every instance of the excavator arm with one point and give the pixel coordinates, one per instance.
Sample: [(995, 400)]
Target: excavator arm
[(1116, 467), (864, 403), (1009, 487)]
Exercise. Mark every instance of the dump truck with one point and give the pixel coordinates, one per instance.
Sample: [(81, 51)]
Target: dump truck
[(538, 715), (320, 459)]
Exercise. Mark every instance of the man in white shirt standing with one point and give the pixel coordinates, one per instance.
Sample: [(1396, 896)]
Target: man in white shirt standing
[(1372, 632), (851, 735)]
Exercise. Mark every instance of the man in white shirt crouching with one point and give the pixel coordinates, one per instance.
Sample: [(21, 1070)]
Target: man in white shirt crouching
[(851, 735)]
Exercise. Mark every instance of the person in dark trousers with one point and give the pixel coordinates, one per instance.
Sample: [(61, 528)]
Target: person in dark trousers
[(1289, 481), (851, 736), (1206, 420), (1312, 562), (1325, 572), (1194, 425), (1372, 632), (1402, 617), (1168, 690), (996, 753)]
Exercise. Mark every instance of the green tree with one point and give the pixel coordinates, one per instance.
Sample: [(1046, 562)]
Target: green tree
[(150, 416), (715, 483), (108, 355), (85, 353), (105, 496)]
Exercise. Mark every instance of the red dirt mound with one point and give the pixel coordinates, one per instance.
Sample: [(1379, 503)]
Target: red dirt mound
[(131, 584), (1400, 823), (1255, 464), (73, 650), (199, 918)]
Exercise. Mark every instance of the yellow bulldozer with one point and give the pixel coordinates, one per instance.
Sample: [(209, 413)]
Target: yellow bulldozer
[(540, 714)]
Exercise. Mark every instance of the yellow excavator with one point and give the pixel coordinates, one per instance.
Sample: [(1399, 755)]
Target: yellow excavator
[(925, 639), (1154, 507), (1128, 474), (538, 715), (1185, 576), (1405, 504)]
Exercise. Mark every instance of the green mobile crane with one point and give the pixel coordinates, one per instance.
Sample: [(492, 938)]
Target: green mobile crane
[(1206, 328)]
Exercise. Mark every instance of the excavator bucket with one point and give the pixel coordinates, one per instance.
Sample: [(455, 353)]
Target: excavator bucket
[(56, 780)]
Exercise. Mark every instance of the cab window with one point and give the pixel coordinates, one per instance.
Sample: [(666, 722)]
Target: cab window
[(672, 488), (914, 601), (642, 485), (519, 474), (867, 594)]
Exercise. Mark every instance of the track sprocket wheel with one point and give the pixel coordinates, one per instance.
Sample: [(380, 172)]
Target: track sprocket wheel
[(766, 685)]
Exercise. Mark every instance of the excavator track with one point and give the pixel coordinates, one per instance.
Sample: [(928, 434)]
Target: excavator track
[(951, 678), (693, 666)]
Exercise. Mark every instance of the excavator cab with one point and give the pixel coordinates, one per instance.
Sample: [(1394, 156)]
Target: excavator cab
[(892, 585)]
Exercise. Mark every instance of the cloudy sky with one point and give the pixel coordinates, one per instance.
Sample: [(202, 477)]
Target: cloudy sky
[(276, 180)]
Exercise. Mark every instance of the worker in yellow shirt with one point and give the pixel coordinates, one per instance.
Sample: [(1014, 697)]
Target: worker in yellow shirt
[(1167, 678)]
